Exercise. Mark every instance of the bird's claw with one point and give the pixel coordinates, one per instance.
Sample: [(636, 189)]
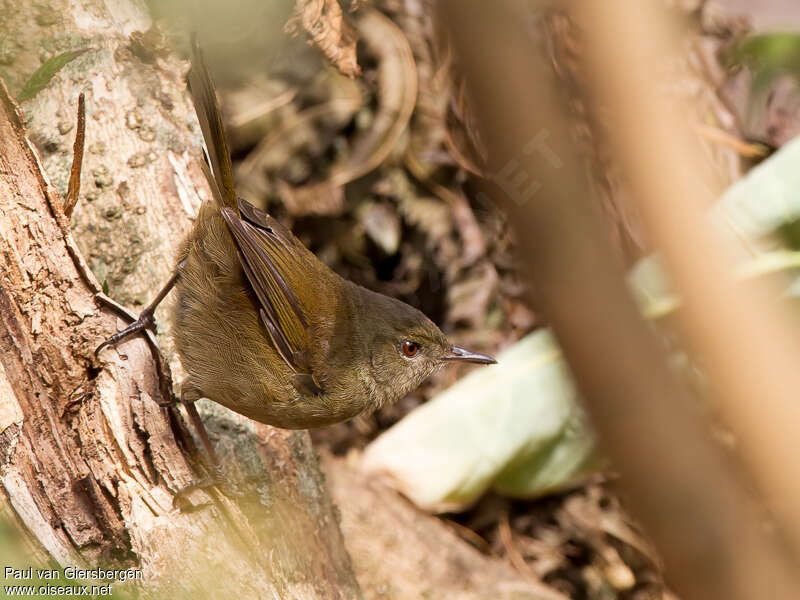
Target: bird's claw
[(169, 403), (144, 322), (216, 480)]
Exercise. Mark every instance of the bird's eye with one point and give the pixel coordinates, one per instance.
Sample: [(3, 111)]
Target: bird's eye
[(409, 348)]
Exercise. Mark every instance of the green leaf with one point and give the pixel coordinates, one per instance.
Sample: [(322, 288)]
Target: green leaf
[(45, 73), (759, 214), (774, 50), (790, 233), (768, 56)]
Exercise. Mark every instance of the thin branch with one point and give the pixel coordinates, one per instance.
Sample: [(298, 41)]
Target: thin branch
[(746, 340), (74, 188)]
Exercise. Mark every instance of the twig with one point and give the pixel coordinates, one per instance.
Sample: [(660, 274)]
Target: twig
[(74, 188), (514, 555), (742, 148), (470, 536)]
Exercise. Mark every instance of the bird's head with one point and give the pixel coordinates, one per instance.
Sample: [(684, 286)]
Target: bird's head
[(405, 347)]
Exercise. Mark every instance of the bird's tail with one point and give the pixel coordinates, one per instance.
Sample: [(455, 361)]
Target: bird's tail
[(205, 105)]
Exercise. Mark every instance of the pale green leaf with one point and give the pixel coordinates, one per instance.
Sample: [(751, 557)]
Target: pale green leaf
[(45, 73)]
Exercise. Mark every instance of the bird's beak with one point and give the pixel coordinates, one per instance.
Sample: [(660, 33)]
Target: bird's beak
[(462, 355)]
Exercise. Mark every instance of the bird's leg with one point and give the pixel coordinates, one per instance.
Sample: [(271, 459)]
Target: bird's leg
[(197, 422), (145, 320), (144, 324), (216, 479)]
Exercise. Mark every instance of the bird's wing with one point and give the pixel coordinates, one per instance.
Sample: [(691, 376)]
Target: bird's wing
[(205, 105), (268, 253)]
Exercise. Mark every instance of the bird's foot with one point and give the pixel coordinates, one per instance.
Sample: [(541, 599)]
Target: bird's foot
[(217, 480), (144, 322)]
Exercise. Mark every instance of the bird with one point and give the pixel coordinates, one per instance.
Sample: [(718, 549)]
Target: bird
[(265, 328)]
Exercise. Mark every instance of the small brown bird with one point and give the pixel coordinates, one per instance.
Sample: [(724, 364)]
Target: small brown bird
[(266, 329)]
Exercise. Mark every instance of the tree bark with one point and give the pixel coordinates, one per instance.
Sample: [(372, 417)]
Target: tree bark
[(141, 184), (89, 462)]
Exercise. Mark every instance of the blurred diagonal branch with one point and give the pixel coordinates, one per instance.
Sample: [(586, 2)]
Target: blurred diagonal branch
[(746, 340), (679, 483)]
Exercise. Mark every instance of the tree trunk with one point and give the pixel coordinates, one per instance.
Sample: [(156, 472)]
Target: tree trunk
[(89, 463), (141, 183)]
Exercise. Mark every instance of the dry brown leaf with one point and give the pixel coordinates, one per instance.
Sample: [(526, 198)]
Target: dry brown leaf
[(426, 151), (469, 298), (397, 94), (429, 215), (325, 199), (472, 238), (329, 30), (586, 517), (381, 224), (298, 131)]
